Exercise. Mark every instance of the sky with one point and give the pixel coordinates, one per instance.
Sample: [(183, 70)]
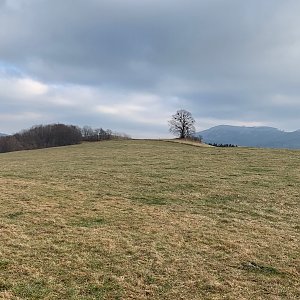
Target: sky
[(128, 65)]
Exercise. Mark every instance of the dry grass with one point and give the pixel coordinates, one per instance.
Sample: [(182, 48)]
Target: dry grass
[(188, 142), (149, 220)]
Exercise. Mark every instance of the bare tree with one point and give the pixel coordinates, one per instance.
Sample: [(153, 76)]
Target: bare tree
[(182, 124)]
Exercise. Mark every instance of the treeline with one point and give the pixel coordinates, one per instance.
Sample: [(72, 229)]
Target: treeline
[(54, 135), (93, 135), (222, 145)]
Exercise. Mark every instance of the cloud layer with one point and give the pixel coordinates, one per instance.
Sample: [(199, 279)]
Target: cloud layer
[(129, 64)]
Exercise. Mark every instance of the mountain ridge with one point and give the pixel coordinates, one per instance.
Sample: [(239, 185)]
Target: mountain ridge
[(257, 136)]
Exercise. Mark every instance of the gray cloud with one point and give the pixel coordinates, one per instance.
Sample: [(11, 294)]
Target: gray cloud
[(225, 60)]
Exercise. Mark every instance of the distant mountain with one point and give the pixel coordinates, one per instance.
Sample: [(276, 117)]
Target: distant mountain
[(2, 134), (263, 137)]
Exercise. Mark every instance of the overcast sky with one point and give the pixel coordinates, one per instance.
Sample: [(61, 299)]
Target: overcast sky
[(128, 65)]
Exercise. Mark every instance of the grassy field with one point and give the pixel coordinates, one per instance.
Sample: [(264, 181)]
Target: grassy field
[(149, 220)]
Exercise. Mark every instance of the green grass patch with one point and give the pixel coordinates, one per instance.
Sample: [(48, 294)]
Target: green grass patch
[(4, 264), (90, 222), (150, 200), (14, 215), (36, 289), (109, 288), (261, 269)]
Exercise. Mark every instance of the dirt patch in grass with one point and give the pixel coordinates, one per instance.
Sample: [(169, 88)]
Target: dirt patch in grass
[(188, 142)]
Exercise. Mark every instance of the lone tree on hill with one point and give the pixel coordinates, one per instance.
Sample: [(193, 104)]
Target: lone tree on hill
[(182, 124)]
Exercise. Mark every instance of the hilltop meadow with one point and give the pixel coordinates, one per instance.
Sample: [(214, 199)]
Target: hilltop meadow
[(149, 220)]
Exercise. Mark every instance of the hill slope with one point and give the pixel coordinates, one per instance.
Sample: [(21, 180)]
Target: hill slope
[(266, 137), (149, 220)]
